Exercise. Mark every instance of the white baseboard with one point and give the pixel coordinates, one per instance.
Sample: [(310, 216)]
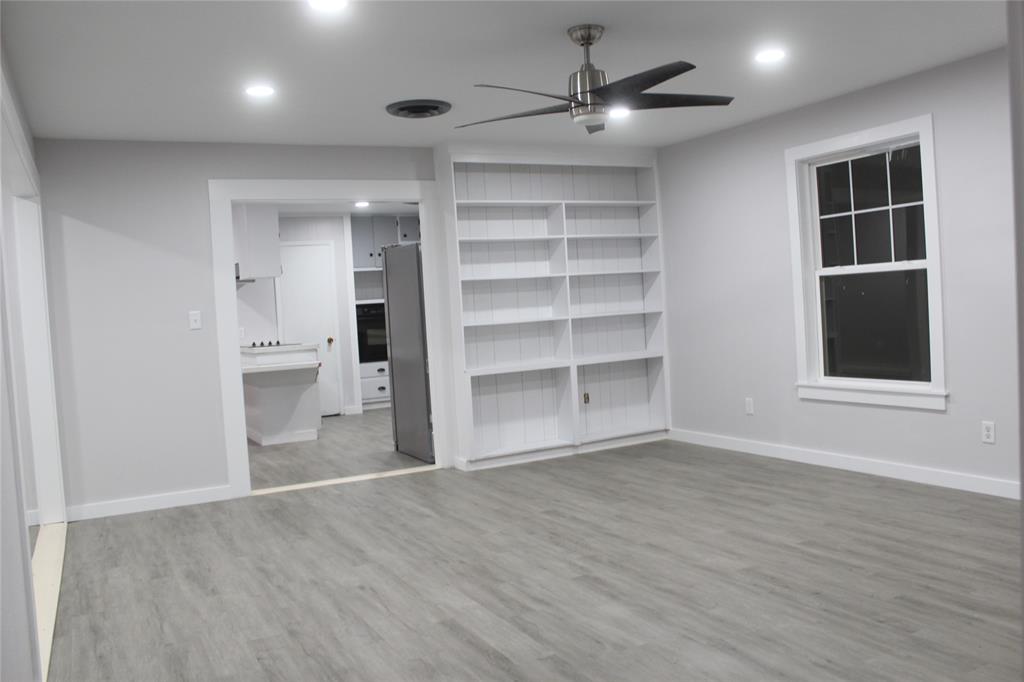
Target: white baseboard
[(999, 487), (376, 405), (131, 505), (297, 436), (554, 453)]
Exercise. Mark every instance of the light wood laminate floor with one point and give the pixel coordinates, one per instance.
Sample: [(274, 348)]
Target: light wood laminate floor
[(655, 562), (348, 445)]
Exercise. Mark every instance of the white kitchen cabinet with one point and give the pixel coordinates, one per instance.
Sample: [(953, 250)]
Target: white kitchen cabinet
[(363, 251), (257, 241), (409, 228), (385, 232)]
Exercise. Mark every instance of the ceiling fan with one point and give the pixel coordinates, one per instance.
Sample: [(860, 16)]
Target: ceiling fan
[(591, 97)]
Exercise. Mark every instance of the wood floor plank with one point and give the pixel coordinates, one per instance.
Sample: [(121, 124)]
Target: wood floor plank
[(661, 561), (348, 445)]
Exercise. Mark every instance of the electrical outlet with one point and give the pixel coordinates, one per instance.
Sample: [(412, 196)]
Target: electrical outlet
[(195, 320), (748, 405), (988, 432)]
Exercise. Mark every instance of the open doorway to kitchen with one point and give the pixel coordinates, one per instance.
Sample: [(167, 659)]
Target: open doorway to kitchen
[(315, 343)]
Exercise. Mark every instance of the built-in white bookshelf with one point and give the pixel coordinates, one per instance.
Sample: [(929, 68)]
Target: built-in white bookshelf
[(561, 298)]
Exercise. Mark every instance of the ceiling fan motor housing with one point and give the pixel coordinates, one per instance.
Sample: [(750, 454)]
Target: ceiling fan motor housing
[(592, 110)]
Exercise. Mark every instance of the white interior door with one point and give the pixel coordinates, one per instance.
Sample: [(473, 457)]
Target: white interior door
[(307, 311)]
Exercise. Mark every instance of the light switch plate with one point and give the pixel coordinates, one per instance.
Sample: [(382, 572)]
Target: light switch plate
[(195, 320)]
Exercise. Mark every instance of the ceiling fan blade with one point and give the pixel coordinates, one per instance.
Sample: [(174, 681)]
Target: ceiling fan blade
[(595, 128), (625, 88), (528, 92), (556, 109), (657, 100)]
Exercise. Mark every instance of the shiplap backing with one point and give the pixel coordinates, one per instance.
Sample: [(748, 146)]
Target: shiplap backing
[(510, 300), (620, 398), (602, 220), (518, 409), (520, 182), (510, 343), (480, 222), (605, 255), (512, 259), (607, 294), (605, 335)]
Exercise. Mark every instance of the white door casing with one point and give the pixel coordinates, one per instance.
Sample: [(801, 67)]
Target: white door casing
[(307, 311)]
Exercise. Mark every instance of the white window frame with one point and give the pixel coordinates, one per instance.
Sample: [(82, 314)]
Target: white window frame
[(812, 383)]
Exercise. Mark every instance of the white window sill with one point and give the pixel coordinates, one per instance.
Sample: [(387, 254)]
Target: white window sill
[(892, 394)]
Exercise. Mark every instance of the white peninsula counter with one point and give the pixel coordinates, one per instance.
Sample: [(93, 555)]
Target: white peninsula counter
[(282, 401)]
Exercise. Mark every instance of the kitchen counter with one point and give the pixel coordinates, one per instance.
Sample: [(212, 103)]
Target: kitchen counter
[(282, 401)]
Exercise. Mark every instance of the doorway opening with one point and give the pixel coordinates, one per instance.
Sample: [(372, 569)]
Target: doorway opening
[(323, 366)]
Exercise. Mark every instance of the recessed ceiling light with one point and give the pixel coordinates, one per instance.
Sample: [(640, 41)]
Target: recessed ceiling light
[(618, 112), (362, 204), (328, 6), (771, 55), (260, 90)]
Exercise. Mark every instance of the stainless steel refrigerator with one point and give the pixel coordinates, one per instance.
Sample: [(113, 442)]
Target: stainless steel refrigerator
[(407, 351)]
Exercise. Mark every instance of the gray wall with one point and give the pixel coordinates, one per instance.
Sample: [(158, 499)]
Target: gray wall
[(128, 246), (730, 279)]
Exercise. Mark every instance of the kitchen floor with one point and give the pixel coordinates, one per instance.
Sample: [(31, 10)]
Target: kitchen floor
[(348, 445)]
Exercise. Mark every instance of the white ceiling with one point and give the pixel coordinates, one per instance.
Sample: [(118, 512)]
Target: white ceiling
[(175, 70)]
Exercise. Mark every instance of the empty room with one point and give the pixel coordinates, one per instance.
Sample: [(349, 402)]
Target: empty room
[(511, 340)]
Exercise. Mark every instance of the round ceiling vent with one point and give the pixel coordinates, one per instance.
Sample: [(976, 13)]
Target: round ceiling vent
[(418, 108)]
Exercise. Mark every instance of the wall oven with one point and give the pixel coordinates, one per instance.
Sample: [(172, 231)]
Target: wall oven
[(371, 332)]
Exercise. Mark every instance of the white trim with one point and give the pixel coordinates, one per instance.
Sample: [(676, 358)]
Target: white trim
[(555, 453), (31, 517), (346, 479), (37, 360), (131, 505), (867, 392), (986, 485), (47, 571), (25, 180), (811, 380), (222, 194)]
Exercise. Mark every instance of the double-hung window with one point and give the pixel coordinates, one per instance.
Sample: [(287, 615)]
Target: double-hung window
[(866, 269)]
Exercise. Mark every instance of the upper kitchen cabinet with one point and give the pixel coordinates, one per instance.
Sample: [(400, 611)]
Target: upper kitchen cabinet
[(408, 228), (257, 241), (363, 251)]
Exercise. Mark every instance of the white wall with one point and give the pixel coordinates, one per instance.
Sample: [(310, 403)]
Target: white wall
[(128, 246), (731, 316), (257, 311)]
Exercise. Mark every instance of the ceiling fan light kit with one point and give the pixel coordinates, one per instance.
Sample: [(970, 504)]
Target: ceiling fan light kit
[(592, 98)]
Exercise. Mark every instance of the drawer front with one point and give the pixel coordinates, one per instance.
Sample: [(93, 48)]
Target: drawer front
[(373, 369), (376, 389)]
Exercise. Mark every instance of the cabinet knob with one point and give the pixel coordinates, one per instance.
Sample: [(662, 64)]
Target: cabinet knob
[(380, 370)]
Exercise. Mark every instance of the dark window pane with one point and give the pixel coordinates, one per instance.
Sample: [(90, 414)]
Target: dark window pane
[(870, 184), (836, 241), (908, 233), (873, 237), (905, 174), (833, 188), (875, 325)]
